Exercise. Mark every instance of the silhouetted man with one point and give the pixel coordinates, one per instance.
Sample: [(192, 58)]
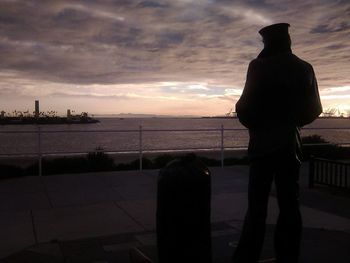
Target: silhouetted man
[(279, 97)]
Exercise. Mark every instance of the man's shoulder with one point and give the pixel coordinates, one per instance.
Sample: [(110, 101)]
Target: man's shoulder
[(256, 62), (281, 59), (301, 61)]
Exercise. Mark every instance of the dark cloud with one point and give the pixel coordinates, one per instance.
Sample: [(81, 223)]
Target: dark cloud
[(132, 41), (320, 29), (119, 35), (167, 39), (336, 46), (89, 96), (152, 4), (70, 17)]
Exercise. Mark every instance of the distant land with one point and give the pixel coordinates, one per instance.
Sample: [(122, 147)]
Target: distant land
[(140, 115), (41, 117), (47, 120)]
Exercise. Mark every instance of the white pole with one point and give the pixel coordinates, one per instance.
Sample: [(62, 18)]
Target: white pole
[(140, 146), (222, 146), (39, 151)]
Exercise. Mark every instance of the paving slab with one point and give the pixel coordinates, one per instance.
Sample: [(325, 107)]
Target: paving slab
[(16, 232), (72, 182), (228, 206), (131, 186), (27, 256), (312, 218), (80, 196), (143, 211), (127, 178), (139, 192), (50, 249), (27, 184), (76, 222), (23, 201), (23, 194)]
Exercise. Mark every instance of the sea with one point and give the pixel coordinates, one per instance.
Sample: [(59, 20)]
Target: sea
[(123, 135)]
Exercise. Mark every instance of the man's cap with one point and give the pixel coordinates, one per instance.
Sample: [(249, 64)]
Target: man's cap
[(275, 31)]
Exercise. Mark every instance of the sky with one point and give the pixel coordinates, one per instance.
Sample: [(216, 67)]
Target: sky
[(165, 57)]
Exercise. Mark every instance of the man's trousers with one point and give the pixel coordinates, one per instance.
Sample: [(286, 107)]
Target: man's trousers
[(284, 170)]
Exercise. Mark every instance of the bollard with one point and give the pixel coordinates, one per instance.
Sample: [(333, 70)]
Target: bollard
[(183, 212), (311, 171)]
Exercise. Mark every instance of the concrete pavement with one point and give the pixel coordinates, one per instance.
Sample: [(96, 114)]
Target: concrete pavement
[(98, 217)]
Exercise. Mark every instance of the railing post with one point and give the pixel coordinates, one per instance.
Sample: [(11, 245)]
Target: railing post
[(39, 151), (311, 171), (222, 146), (140, 147)]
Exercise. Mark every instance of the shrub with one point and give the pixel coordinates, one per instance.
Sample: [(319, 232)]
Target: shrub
[(60, 166), (324, 150), (99, 161), (209, 162), (92, 162), (312, 139), (135, 165), (237, 161), (10, 171), (162, 160), (146, 164)]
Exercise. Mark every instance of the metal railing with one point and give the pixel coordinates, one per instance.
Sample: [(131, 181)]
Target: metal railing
[(329, 172), (39, 153)]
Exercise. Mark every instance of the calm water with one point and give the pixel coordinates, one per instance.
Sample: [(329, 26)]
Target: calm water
[(83, 142)]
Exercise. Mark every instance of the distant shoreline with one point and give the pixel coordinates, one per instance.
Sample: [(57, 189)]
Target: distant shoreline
[(235, 117), (187, 117), (47, 120)]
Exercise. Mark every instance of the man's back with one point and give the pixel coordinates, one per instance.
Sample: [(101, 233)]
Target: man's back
[(280, 96), (278, 93)]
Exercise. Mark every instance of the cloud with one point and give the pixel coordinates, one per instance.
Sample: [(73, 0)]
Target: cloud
[(339, 93), (95, 12), (330, 29), (152, 4), (203, 46)]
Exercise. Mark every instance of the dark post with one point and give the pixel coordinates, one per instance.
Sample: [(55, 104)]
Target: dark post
[(183, 212), (346, 176), (311, 171), (336, 181)]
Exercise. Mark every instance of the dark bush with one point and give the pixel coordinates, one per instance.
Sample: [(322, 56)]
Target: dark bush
[(324, 150), (100, 161), (10, 171), (60, 166), (311, 139), (237, 161), (135, 165), (162, 160), (209, 162), (146, 164), (92, 162)]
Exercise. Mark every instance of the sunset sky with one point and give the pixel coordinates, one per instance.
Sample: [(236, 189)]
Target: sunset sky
[(177, 57)]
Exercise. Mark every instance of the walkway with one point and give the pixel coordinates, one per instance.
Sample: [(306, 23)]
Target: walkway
[(98, 217)]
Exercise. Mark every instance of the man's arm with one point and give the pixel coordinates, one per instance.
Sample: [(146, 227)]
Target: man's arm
[(311, 107)]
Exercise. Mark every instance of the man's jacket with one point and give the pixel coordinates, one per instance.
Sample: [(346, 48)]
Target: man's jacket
[(279, 97)]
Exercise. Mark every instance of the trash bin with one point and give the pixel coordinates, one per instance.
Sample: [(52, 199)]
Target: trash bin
[(183, 212)]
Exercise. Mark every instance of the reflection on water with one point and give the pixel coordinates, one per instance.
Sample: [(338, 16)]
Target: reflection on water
[(81, 142)]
